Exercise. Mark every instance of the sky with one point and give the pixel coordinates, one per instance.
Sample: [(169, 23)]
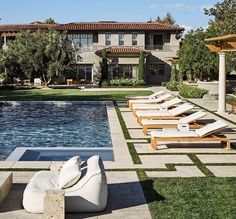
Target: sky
[(187, 13)]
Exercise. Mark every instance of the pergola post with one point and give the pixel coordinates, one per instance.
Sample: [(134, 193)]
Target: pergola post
[(222, 83)]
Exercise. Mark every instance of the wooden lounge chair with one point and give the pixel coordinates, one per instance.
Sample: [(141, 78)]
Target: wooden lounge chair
[(152, 96), (175, 113), (164, 105), (204, 134), (158, 124), (159, 99)]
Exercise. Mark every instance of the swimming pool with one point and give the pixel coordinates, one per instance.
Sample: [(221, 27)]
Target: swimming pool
[(50, 124)]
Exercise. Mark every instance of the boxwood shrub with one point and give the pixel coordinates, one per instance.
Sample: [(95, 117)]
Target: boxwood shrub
[(163, 84), (123, 82), (173, 86), (189, 91)]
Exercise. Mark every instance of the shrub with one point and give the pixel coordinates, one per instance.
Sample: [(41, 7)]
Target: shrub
[(163, 84), (173, 86), (123, 82), (189, 91)]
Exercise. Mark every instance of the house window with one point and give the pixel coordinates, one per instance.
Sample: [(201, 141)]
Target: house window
[(84, 72), (123, 71), (134, 39), (121, 39), (156, 69), (81, 41), (95, 38), (167, 38), (107, 39)]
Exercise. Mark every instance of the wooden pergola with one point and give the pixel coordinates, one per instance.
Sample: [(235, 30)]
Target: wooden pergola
[(222, 45)]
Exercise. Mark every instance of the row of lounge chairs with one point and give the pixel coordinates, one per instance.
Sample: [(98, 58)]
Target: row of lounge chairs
[(162, 111)]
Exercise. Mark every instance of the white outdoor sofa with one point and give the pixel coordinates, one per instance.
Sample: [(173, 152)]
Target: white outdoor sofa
[(85, 191)]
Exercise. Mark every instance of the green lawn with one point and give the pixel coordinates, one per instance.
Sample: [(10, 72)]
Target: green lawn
[(66, 94), (206, 197)]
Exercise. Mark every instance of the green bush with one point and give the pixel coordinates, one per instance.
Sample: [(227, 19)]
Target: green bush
[(189, 91), (163, 84), (173, 86), (123, 82)]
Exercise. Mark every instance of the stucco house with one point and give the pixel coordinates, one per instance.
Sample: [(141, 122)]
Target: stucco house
[(123, 41)]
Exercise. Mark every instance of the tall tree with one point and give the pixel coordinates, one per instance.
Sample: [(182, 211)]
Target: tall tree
[(195, 59), (168, 19), (141, 67), (49, 21), (104, 66), (223, 23)]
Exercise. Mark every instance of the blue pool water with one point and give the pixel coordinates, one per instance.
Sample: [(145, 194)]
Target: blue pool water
[(52, 124)]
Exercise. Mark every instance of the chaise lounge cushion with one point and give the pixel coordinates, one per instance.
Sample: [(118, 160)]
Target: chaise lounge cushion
[(70, 173), (173, 133)]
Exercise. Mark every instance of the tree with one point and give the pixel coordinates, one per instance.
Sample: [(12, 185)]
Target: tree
[(223, 23), (141, 66), (40, 54), (195, 59), (104, 66), (49, 21), (168, 19)]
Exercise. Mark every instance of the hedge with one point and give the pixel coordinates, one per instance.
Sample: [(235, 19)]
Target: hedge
[(189, 91)]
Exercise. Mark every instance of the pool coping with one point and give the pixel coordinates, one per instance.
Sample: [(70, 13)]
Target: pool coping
[(122, 156)]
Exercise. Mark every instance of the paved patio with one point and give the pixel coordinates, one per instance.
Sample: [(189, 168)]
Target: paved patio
[(126, 199)]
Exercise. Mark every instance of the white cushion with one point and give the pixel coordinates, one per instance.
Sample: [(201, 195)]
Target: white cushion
[(70, 172), (153, 113), (146, 106), (157, 100), (159, 122), (192, 117), (181, 109), (211, 128), (173, 133), (155, 94), (171, 102)]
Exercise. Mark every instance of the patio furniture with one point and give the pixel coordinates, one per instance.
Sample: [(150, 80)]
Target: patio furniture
[(84, 186), (69, 82), (152, 96), (157, 124), (159, 99), (175, 113), (165, 105), (204, 134)]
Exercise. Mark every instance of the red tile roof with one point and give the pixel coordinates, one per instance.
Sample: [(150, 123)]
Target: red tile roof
[(19, 27), (123, 50), (110, 26), (92, 26)]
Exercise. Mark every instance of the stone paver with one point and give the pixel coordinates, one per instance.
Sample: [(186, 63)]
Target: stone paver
[(130, 120), (137, 134), (160, 161), (216, 158), (182, 148), (126, 199), (6, 164), (181, 171), (136, 141), (31, 164), (223, 171)]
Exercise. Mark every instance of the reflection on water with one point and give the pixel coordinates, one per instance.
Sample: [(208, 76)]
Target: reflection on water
[(52, 124)]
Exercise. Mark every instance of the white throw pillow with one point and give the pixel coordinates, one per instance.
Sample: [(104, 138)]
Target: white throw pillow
[(70, 172)]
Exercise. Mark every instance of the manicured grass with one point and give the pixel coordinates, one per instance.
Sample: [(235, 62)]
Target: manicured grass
[(206, 197), (66, 94)]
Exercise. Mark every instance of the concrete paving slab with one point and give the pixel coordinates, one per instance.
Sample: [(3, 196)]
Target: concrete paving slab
[(31, 164), (186, 148), (223, 171), (225, 158), (130, 120), (126, 200), (160, 161), (181, 171), (136, 140), (137, 133), (6, 164)]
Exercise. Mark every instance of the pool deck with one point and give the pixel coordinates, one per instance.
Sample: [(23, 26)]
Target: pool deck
[(126, 199)]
